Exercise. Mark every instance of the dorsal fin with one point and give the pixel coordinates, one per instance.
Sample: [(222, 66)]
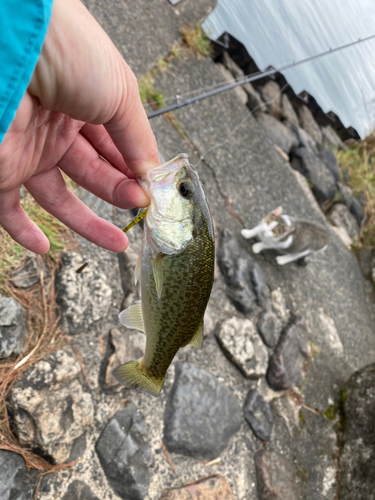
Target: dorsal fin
[(132, 317)]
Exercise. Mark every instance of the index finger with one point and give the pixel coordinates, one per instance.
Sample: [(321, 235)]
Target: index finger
[(131, 132)]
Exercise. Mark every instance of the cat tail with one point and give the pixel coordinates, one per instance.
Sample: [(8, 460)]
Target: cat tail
[(135, 376)]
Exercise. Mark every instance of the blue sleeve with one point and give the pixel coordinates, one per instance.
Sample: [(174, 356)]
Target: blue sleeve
[(23, 26)]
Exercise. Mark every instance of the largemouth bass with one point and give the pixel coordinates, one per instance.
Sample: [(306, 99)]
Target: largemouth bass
[(176, 269)]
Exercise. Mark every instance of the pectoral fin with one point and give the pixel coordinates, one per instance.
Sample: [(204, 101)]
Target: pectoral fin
[(137, 270), (197, 340), (132, 317), (157, 268)]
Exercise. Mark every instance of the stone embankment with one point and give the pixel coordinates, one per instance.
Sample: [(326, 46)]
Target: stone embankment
[(279, 402)]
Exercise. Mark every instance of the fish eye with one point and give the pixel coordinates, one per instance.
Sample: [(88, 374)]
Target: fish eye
[(185, 189)]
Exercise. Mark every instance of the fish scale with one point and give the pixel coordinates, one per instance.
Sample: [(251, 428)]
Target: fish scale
[(176, 272)]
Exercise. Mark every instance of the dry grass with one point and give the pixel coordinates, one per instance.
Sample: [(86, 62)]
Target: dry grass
[(195, 40), (358, 161), (42, 316)]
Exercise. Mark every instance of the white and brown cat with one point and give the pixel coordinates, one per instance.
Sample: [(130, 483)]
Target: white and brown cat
[(295, 238)]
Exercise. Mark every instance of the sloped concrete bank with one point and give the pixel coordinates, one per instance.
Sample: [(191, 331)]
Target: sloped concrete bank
[(259, 412)]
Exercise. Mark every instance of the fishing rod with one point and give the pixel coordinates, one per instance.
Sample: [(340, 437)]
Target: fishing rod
[(252, 78)]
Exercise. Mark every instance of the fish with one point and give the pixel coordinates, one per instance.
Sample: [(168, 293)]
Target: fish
[(175, 269)]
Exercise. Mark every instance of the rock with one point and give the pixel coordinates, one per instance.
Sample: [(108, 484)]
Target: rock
[(313, 167), (272, 97), (287, 110), (78, 490), (316, 455), (257, 413), (278, 132), (29, 274), (127, 345), (85, 297), (343, 235), (14, 479), (253, 97), (254, 100), (214, 487), (340, 216), (239, 91), (276, 477), (243, 276), (365, 256), (242, 344), (125, 454), (331, 138), (201, 414), (352, 203), (50, 387), (269, 327), (331, 163), (231, 66), (12, 327), (285, 368), (279, 306), (309, 124), (357, 460)]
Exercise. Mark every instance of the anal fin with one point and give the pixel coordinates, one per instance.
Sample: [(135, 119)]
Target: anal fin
[(132, 317)]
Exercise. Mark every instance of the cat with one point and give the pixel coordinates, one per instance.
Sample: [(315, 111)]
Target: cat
[(295, 238)]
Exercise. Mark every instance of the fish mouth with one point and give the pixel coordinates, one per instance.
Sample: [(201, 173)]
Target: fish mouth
[(162, 174)]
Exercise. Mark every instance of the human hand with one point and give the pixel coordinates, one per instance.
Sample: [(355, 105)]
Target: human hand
[(82, 102)]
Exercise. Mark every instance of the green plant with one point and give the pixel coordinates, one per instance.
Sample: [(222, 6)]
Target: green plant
[(196, 40), (148, 93), (358, 161)]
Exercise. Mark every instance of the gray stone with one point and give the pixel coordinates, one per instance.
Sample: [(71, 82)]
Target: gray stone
[(340, 216), (278, 132), (276, 477), (201, 415), (317, 456), (357, 460), (127, 345), (257, 413), (331, 163), (239, 91), (254, 100), (85, 297), (313, 167), (50, 388), (78, 490), (287, 110), (12, 327), (269, 327), (30, 272), (308, 123), (352, 203), (14, 480), (242, 344), (213, 487), (125, 454), (365, 256), (287, 362), (272, 97), (243, 276), (331, 138)]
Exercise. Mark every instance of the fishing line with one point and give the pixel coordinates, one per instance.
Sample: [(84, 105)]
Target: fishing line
[(253, 77)]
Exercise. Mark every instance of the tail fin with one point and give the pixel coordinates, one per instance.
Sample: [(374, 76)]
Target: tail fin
[(132, 375)]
